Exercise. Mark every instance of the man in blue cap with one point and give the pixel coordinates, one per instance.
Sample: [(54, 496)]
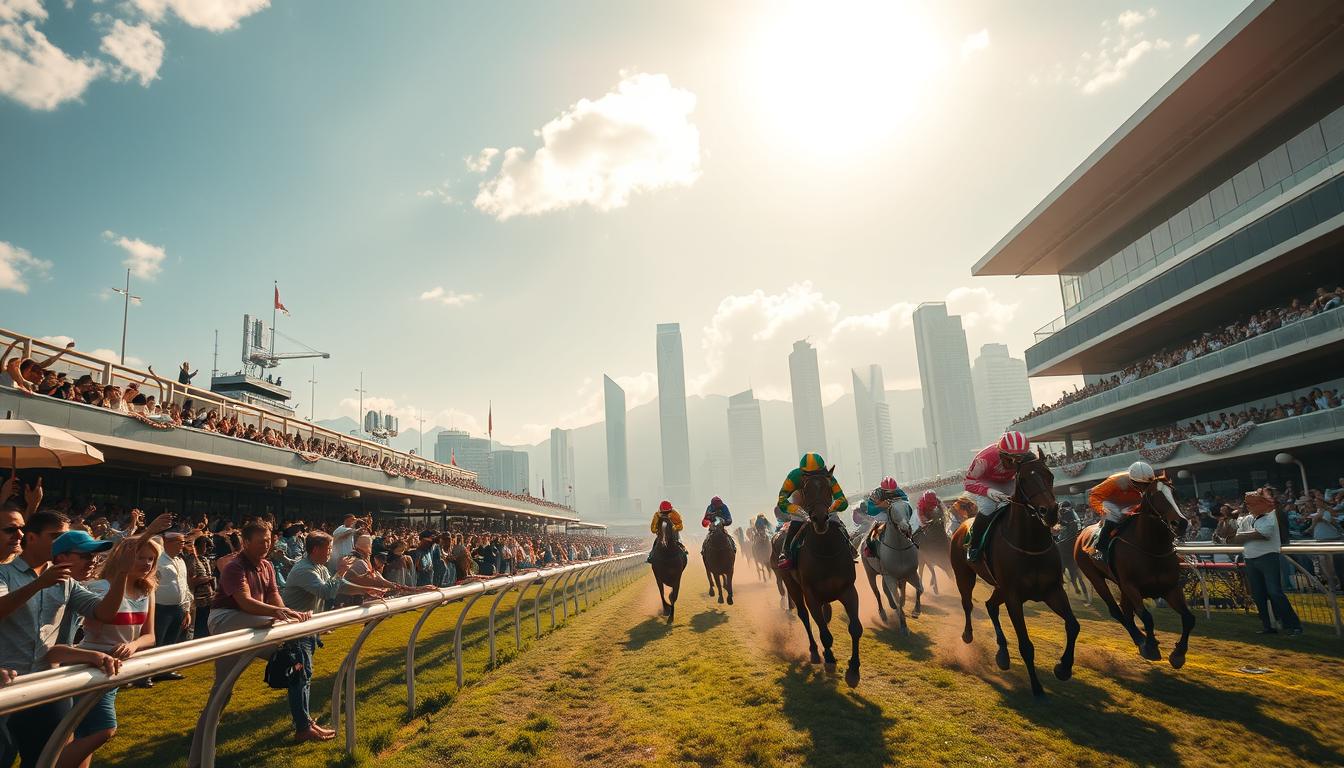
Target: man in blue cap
[(78, 549)]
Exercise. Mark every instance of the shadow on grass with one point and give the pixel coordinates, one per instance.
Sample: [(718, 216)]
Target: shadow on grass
[(1254, 713), (1089, 717), (845, 730), (707, 620), (646, 632), (918, 646)]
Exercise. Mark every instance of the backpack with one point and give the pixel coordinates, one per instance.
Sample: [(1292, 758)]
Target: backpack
[(284, 666)]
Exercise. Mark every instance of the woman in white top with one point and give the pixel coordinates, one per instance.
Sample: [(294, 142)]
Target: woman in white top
[(133, 632)]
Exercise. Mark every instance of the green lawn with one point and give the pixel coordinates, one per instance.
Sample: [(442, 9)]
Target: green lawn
[(729, 686)]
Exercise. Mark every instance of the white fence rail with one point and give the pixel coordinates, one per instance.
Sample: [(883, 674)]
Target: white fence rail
[(1321, 553), (574, 583)]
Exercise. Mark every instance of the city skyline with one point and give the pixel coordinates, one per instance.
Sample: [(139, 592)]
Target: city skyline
[(419, 221), (951, 415), (673, 431)]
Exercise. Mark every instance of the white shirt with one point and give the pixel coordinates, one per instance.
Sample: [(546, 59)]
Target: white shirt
[(342, 544), (172, 589), (1266, 525)]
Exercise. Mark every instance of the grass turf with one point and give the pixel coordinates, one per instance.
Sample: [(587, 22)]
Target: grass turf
[(729, 686)]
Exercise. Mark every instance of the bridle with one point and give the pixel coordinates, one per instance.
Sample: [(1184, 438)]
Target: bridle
[(825, 526), (1148, 508), (1022, 498)]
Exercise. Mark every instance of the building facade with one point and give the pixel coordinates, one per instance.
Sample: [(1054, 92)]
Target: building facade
[(874, 422), (1002, 392), (509, 471), (951, 424), (456, 446), (1196, 259), (562, 467), (672, 428), (913, 465), (746, 451), (809, 423), (618, 467)]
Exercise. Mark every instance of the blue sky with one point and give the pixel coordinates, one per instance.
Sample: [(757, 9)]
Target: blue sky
[(755, 171)]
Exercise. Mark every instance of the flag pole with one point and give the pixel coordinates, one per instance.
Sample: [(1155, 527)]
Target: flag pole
[(275, 307)]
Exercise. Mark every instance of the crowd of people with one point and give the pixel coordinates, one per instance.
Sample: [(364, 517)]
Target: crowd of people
[(80, 585), (134, 400), (1264, 321), (1318, 399)]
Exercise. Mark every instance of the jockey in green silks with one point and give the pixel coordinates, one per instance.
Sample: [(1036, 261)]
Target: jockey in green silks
[(786, 510)]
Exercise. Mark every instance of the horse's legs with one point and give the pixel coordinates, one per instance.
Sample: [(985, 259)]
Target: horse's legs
[(1024, 646), (797, 600), (1059, 603), (728, 580), (1176, 599), (819, 615), (850, 600), (966, 586), (1103, 591), (888, 591), (709, 576), (662, 597), (992, 607), (872, 582), (1134, 601), (672, 598), (895, 586), (919, 592), (933, 577)]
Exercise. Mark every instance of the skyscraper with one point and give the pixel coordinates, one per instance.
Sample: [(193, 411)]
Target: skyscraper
[(809, 426), (1001, 389), (874, 422), (470, 453), (562, 467), (676, 441), (509, 471), (746, 449), (951, 426), (618, 469)]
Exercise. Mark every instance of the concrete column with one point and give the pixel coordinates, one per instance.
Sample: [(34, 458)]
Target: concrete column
[(1068, 445)]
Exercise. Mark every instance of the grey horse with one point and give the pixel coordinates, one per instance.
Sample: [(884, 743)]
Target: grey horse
[(897, 562)]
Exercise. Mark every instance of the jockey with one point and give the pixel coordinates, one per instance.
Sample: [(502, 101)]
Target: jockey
[(1117, 496), (717, 510), (787, 511), (991, 480), (665, 510), (928, 503), (871, 510), (762, 525)]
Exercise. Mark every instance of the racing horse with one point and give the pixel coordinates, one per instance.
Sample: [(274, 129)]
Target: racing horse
[(719, 556), (1021, 562), (823, 573), (758, 549), (1065, 539), (896, 560), (669, 560), (1144, 564), (933, 544)]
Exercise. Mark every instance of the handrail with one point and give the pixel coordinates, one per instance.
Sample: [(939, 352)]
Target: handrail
[(1287, 549), (63, 682)]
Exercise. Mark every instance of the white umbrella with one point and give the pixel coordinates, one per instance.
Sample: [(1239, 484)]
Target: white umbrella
[(32, 446)]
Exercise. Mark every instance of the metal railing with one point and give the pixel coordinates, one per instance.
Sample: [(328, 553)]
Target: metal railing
[(579, 581), (1308, 330), (1322, 554)]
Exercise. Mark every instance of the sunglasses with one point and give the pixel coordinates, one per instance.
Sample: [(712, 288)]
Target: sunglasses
[(12, 529)]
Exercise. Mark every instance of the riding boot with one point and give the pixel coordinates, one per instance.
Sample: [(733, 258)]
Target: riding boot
[(786, 550), (1104, 535), (649, 560), (974, 537)]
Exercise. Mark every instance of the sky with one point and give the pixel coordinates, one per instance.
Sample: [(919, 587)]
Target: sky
[(489, 206)]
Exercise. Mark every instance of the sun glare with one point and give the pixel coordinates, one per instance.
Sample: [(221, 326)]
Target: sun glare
[(841, 77)]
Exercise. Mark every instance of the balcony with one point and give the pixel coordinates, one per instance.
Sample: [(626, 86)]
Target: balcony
[(1314, 335)]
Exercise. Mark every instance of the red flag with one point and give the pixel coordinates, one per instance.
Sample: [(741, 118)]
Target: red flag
[(490, 422), (278, 305), (452, 457)]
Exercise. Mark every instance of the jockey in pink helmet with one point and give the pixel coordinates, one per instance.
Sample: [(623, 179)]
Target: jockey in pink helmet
[(927, 504), (991, 480), (877, 507)]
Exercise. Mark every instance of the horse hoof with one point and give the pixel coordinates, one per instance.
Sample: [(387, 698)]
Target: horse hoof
[(1062, 672), (720, 599), (967, 637), (1151, 653), (852, 678), (914, 614), (830, 667), (814, 658), (1001, 658), (730, 599), (1177, 659)]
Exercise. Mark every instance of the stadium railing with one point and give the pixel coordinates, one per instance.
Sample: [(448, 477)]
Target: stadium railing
[(578, 582), (1203, 562)]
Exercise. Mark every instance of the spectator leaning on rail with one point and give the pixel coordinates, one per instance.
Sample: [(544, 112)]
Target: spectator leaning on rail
[(34, 594), (202, 581), (248, 597), (311, 587), (174, 609), (1259, 537)]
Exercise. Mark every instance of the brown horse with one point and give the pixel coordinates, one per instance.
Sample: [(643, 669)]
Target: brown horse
[(1144, 564), (1021, 562), (823, 573), (668, 562), (719, 556), (934, 544), (758, 549)]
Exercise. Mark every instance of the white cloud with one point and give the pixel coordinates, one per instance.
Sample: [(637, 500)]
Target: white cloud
[(980, 309), (18, 266), (438, 192), (480, 162), (145, 260), (1192, 39), (33, 71), (448, 298), (214, 15), (973, 43), (138, 48), (1110, 71), (636, 138), (1131, 18)]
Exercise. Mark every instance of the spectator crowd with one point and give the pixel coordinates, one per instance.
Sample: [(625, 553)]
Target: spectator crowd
[(82, 586), (1264, 321), (134, 400)]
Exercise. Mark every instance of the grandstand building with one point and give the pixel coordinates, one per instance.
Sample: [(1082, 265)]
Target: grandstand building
[(1222, 196)]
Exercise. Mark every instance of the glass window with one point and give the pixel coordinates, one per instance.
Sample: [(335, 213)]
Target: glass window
[(1131, 256), (1223, 199), (1143, 248), (1201, 213), (1108, 271), (1247, 184), (1161, 235), (1180, 226), (1306, 147), (1333, 128), (1274, 167)]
